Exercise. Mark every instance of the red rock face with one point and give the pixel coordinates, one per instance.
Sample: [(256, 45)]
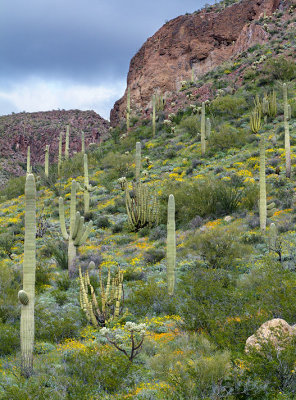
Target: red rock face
[(200, 41)]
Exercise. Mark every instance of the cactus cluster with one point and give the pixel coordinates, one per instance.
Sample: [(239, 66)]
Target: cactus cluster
[(111, 298), (27, 294), (79, 231)]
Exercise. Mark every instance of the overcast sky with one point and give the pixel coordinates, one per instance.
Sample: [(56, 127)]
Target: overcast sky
[(74, 53)]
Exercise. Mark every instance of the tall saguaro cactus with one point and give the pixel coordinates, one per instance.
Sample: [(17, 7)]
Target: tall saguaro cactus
[(138, 161), (262, 200), (128, 109), (153, 116), (46, 161), (87, 188), (27, 295), (67, 142), (208, 128), (82, 143), (60, 156), (203, 129), (287, 132), (171, 245), (79, 231)]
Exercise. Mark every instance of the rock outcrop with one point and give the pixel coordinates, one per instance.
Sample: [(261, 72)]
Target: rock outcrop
[(200, 41)]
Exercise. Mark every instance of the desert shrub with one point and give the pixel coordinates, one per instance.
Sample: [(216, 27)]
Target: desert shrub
[(9, 286), (193, 369), (153, 256), (13, 188), (207, 197), (191, 125), (58, 250), (219, 246), (250, 196), (9, 338), (43, 276), (158, 232), (7, 241), (225, 138), (102, 222), (280, 68), (72, 167), (118, 163), (232, 106)]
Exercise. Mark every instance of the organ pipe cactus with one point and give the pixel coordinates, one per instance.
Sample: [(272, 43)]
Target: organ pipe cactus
[(60, 156), (29, 168), (171, 245), (86, 188), (111, 298), (46, 161), (142, 207), (262, 200), (128, 109), (79, 231), (138, 161), (255, 120), (287, 132), (67, 142), (203, 129), (27, 295)]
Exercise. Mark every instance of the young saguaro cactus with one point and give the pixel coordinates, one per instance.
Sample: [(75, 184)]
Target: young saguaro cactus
[(29, 168), (87, 188), (262, 179), (82, 143), (171, 245), (27, 295), (287, 132), (203, 129), (79, 231), (67, 142), (138, 161), (128, 109), (46, 161)]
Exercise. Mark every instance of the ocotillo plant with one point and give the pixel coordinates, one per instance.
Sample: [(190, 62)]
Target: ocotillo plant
[(203, 129), (86, 188), (29, 168), (78, 230), (142, 207), (171, 245), (46, 160), (153, 116), (262, 200), (138, 161), (27, 295), (128, 109), (287, 132), (111, 298), (60, 156), (67, 142), (82, 143)]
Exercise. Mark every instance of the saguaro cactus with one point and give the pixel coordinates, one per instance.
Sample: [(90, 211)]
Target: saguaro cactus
[(138, 161), (287, 132), (262, 200), (82, 143), (78, 230), (87, 188), (171, 245), (29, 168), (208, 128), (27, 295), (67, 142), (153, 116), (203, 129), (46, 160), (60, 156), (128, 109)]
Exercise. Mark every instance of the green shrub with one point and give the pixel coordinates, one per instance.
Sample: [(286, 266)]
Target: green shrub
[(280, 68), (231, 106), (13, 188), (9, 286), (102, 222), (226, 137), (191, 125), (9, 338), (153, 256)]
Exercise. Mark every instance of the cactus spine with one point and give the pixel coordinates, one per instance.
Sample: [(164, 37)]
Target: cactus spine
[(262, 200), (29, 168), (138, 161), (111, 298), (27, 295), (128, 109), (60, 156), (153, 116), (46, 161), (67, 142), (82, 143), (287, 132), (171, 245), (78, 230), (203, 129)]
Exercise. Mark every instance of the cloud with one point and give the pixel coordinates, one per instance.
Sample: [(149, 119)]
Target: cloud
[(40, 95)]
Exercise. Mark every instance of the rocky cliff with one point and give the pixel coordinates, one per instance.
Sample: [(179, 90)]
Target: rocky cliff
[(200, 42), (18, 131)]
